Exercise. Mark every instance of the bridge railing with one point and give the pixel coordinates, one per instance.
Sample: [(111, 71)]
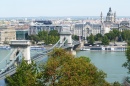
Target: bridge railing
[(75, 42), (58, 45), (45, 51), (7, 73), (4, 60), (10, 63)]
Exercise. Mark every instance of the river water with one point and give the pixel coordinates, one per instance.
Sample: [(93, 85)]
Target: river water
[(109, 62)]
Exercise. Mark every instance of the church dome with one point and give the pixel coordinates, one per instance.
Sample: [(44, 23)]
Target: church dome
[(110, 12)]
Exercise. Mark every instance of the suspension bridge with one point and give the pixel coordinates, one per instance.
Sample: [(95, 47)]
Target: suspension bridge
[(21, 48)]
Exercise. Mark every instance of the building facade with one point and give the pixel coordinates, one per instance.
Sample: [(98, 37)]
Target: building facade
[(6, 35), (38, 26)]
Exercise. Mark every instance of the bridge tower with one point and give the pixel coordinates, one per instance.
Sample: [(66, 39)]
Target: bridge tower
[(66, 35), (21, 46)]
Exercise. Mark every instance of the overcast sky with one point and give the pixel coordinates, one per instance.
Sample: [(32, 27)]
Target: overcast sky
[(36, 8)]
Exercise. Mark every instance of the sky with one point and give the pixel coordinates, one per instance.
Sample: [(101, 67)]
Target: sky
[(37, 8)]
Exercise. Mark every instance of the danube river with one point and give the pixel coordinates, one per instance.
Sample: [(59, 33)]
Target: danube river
[(109, 62)]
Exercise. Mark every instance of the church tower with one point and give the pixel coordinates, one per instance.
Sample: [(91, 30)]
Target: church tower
[(115, 17), (101, 17)]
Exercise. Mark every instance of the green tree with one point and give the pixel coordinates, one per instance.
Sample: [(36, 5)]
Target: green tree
[(42, 35), (26, 75), (110, 36), (125, 35), (116, 34), (105, 40), (75, 37), (98, 37), (54, 33), (116, 84), (128, 43), (91, 39), (63, 69), (127, 63)]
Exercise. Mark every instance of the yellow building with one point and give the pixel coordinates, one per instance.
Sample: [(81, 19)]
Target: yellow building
[(6, 35)]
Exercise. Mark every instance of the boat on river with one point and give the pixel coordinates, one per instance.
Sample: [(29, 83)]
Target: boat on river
[(37, 48), (103, 48), (5, 47), (84, 49)]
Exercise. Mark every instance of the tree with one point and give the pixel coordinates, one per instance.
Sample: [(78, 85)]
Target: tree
[(116, 84), (63, 69), (127, 63), (115, 34), (42, 35), (26, 75), (75, 37), (98, 37), (125, 35), (91, 39), (54, 33), (105, 40)]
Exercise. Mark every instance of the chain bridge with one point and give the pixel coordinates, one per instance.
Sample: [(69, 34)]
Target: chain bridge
[(21, 49)]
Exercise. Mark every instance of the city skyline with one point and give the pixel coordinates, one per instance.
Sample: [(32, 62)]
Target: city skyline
[(36, 8)]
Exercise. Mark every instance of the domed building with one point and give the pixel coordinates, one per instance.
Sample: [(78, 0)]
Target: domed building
[(110, 18)]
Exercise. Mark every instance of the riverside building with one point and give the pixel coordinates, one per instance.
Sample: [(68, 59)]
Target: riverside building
[(6, 35)]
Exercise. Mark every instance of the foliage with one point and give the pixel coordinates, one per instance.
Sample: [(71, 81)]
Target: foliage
[(127, 64), (26, 75), (128, 43), (98, 37), (91, 39), (116, 84), (42, 35), (125, 35), (49, 38), (63, 69), (112, 35), (34, 38), (105, 40), (75, 37), (54, 33)]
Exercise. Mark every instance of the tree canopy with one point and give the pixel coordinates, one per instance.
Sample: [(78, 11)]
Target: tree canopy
[(105, 40), (63, 69), (26, 75), (48, 37), (91, 39)]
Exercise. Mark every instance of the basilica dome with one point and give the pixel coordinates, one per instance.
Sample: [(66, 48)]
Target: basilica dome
[(110, 12)]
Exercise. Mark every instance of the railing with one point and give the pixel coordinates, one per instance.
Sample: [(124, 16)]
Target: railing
[(8, 73), (48, 50), (7, 56), (11, 63)]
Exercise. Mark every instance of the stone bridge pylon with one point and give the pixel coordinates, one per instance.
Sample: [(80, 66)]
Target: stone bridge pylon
[(66, 37), (21, 46)]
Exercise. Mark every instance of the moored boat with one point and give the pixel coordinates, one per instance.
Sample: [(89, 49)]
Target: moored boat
[(37, 48)]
